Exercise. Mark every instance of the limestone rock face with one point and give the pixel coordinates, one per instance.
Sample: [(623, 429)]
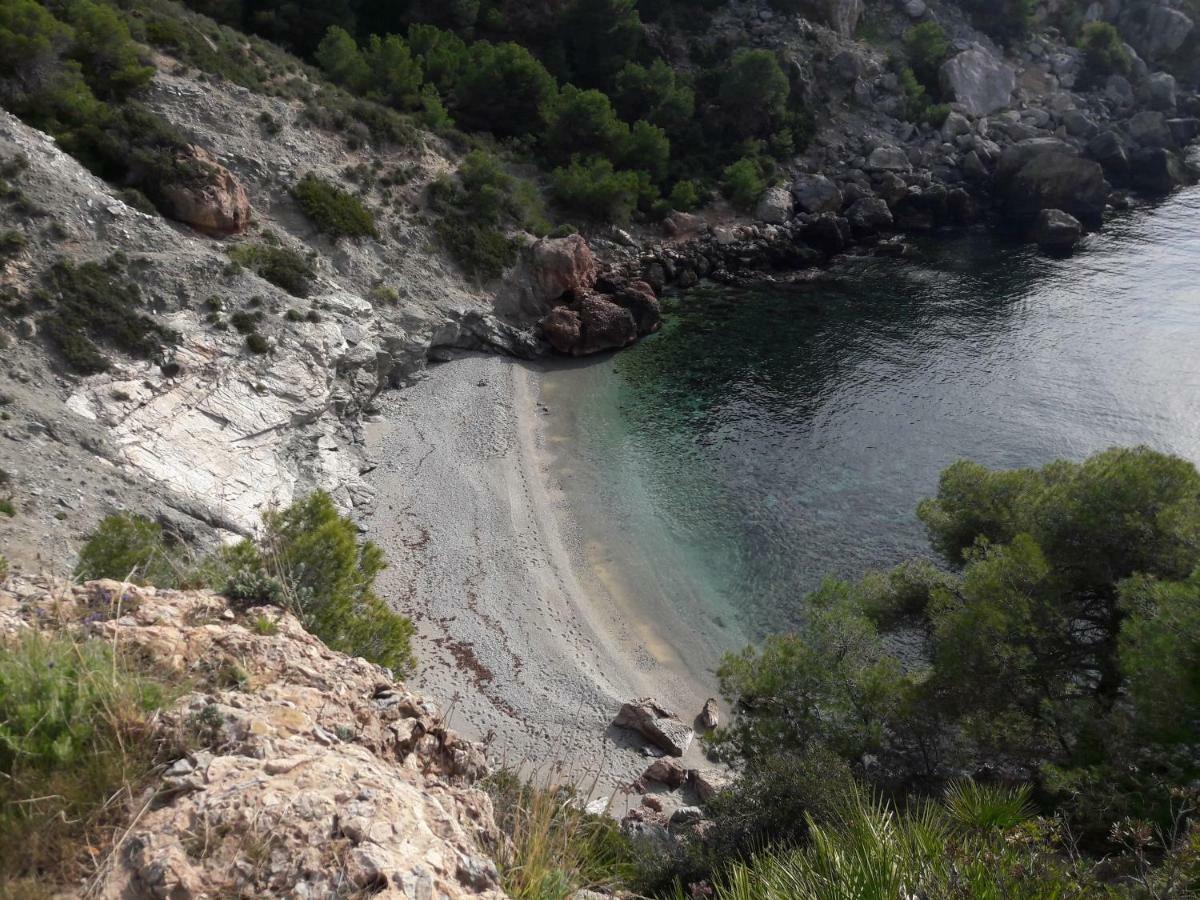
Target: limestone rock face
[(657, 724), (1162, 32), (213, 200), (320, 770), (978, 81)]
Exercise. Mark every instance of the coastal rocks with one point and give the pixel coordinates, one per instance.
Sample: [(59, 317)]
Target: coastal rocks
[(707, 783), (657, 724), (827, 233), (840, 15), (563, 266), (1109, 151), (868, 217), (592, 324), (211, 199), (1044, 173), (1149, 129), (816, 194), (775, 206), (1162, 32), (887, 158), (1057, 232), (979, 82), (638, 297), (1157, 170)]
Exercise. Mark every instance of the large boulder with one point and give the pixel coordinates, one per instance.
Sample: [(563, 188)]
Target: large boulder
[(1057, 232), (657, 724), (563, 265), (1043, 173), (1149, 128), (209, 198), (1110, 152), (775, 206), (606, 326), (638, 297), (869, 216), (666, 771), (816, 194), (1157, 170), (978, 81), (1162, 31), (1160, 91), (563, 328), (886, 158)]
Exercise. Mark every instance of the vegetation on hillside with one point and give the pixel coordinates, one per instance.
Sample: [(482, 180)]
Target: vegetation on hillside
[(307, 559)]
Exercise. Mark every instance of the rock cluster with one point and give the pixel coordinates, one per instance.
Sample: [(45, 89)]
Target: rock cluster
[(316, 774)]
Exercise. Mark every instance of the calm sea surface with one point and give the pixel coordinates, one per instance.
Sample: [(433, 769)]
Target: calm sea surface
[(767, 437)]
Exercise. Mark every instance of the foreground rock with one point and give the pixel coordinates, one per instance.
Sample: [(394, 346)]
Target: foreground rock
[(212, 199), (1044, 173), (321, 774), (657, 724), (1056, 232)]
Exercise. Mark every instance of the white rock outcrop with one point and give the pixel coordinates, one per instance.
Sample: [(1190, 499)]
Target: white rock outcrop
[(979, 82)]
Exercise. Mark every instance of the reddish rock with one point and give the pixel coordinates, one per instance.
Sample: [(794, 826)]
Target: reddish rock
[(638, 297), (211, 199), (606, 326), (563, 329), (652, 802), (563, 266)]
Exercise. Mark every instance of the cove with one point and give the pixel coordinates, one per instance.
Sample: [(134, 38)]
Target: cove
[(767, 437)]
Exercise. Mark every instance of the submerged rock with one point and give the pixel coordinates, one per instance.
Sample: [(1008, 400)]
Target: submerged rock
[(657, 724)]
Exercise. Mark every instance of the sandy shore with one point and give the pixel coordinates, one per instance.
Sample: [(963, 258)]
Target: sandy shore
[(525, 635)]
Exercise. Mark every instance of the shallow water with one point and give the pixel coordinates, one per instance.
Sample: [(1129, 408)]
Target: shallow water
[(767, 437)]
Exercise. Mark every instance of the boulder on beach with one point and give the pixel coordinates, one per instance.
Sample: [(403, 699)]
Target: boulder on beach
[(710, 716), (1057, 232), (665, 771), (775, 206), (563, 265), (655, 723)]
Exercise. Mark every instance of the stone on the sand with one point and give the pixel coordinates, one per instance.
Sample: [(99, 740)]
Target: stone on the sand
[(1057, 232), (665, 771), (709, 716), (707, 783), (656, 724)]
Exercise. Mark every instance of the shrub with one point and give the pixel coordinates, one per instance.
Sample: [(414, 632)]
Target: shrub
[(326, 579), (333, 211), (93, 304), (743, 184), (8, 509), (1104, 52), (684, 196), (754, 93), (283, 267), (927, 49), (655, 94), (503, 89), (597, 190), (12, 242), (257, 344), (73, 753), (128, 547)]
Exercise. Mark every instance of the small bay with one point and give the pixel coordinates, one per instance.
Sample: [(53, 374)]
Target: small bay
[(769, 436)]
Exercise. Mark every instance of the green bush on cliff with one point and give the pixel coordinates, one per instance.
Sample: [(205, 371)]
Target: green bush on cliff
[(333, 211), (282, 266), (129, 548), (743, 183), (1104, 53), (312, 558), (927, 49)]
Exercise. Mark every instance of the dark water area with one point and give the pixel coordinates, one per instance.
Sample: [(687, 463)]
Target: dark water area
[(767, 437)]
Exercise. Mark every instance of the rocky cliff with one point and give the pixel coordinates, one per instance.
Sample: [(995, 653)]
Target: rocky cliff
[(307, 774)]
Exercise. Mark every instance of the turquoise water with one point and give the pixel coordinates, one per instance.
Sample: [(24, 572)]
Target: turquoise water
[(767, 437)]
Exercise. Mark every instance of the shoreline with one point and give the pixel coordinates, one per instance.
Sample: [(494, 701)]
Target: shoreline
[(528, 635)]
